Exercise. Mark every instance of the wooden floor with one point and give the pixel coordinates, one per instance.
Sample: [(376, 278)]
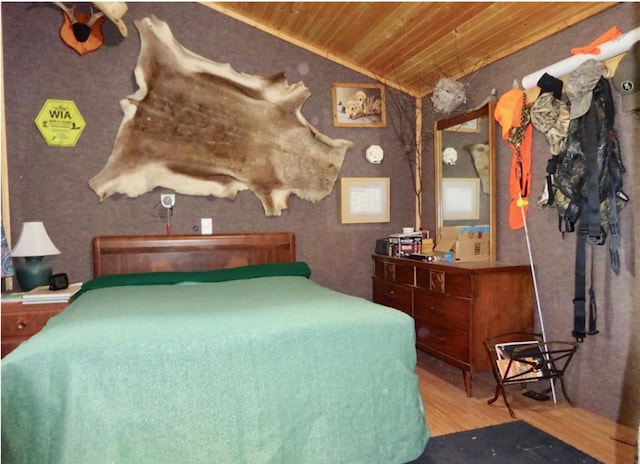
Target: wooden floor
[(448, 410)]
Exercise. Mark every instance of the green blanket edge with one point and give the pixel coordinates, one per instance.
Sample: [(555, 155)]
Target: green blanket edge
[(297, 268)]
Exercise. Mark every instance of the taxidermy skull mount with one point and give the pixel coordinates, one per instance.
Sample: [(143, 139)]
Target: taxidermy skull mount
[(374, 154), (83, 31), (449, 156)]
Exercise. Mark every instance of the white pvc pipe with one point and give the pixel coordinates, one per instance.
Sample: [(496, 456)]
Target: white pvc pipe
[(607, 50), (537, 295)]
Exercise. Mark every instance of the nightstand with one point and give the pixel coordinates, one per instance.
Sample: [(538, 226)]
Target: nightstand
[(21, 321)]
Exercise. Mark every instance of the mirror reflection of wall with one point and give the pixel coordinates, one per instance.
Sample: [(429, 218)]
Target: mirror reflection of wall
[(465, 155)]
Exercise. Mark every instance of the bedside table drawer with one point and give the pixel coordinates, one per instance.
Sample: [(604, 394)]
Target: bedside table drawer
[(20, 321), (25, 324)]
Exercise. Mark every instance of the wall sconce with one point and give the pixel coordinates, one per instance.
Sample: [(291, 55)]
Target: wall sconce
[(33, 244)]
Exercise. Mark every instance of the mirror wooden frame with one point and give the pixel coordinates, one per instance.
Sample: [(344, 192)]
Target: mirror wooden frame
[(464, 124)]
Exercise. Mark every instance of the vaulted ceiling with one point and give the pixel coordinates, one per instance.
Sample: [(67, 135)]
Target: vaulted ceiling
[(410, 45)]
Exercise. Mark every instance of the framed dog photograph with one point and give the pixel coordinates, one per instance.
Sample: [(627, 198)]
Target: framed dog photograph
[(359, 105)]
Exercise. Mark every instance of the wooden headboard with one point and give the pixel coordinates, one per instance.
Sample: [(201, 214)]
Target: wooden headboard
[(124, 254)]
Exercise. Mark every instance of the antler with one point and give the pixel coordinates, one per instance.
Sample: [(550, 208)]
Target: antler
[(94, 17), (69, 11)]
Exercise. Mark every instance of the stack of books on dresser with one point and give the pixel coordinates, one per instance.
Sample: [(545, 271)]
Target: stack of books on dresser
[(45, 295), (410, 244), (405, 244)]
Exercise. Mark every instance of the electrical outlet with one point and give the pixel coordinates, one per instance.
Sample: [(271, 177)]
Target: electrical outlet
[(168, 200), (206, 226)]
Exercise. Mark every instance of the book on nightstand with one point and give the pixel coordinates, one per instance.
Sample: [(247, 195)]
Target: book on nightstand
[(44, 295), (11, 297)]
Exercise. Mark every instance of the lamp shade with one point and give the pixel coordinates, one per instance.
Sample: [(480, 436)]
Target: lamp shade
[(34, 241), (33, 244)]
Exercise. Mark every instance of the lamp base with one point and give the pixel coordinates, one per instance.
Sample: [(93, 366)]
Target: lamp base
[(33, 273)]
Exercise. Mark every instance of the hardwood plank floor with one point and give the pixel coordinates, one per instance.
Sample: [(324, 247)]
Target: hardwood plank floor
[(448, 410)]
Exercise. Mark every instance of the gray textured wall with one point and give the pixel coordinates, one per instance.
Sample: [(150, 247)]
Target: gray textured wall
[(50, 184), (605, 374)]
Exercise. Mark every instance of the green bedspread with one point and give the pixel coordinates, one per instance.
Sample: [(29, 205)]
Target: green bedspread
[(264, 370)]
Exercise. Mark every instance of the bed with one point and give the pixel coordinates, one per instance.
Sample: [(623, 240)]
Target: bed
[(213, 349)]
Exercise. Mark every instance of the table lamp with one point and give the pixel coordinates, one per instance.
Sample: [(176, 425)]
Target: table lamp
[(33, 244)]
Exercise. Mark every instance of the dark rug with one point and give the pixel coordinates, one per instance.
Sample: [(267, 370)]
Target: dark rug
[(510, 443)]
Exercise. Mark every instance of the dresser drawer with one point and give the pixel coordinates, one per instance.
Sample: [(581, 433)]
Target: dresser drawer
[(444, 281), (391, 271), (446, 311), (443, 324), (446, 340), (392, 295)]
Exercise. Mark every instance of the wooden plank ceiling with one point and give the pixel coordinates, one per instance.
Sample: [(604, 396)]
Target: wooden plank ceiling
[(410, 45)]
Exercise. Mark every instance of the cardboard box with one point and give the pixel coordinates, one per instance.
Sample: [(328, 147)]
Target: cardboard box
[(427, 246), (465, 243)]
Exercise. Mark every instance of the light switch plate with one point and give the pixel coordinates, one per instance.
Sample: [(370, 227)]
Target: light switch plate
[(206, 226)]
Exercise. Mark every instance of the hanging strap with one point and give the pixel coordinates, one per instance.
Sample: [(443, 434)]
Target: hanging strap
[(610, 151), (590, 230), (579, 300), (579, 313), (595, 234), (593, 308), (580, 293), (614, 227)]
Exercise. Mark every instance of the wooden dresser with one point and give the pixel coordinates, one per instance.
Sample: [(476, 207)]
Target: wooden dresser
[(21, 321), (457, 306)]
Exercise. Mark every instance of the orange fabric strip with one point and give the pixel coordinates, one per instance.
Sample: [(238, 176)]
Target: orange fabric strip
[(592, 48)]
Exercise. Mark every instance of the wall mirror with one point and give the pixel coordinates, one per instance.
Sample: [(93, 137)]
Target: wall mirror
[(465, 170)]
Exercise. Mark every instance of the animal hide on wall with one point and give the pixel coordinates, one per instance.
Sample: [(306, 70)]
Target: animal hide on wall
[(480, 155), (201, 128)]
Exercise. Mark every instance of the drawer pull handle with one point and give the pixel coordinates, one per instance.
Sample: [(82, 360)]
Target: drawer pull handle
[(436, 309), (391, 294), (21, 325), (437, 337)]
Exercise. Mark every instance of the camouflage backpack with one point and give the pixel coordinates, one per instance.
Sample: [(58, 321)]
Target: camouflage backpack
[(585, 180), (579, 172)]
